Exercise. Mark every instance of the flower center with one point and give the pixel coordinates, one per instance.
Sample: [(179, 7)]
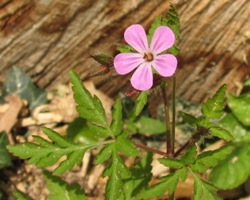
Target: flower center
[(148, 56)]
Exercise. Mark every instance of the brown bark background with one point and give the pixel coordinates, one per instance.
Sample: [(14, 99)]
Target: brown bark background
[(47, 38)]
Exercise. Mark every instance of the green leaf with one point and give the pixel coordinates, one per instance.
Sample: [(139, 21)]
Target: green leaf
[(5, 159), (79, 132), (209, 159), (247, 82), (238, 130), (140, 103), (104, 154), (159, 21), (171, 162), (174, 50), (240, 107), (116, 125), (173, 21), (125, 49), (221, 133), (46, 153), (117, 171), (168, 183), (190, 119), (147, 125), (213, 108), (190, 156), (140, 177), (204, 190), (59, 189), (20, 84), (234, 170), (20, 196), (125, 145), (103, 59), (88, 107)]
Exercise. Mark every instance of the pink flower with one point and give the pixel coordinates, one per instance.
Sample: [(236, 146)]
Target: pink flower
[(148, 58)]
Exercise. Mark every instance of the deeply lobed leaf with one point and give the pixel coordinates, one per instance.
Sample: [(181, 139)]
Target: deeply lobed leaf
[(88, 107), (211, 158), (213, 108), (59, 189), (204, 190), (46, 153)]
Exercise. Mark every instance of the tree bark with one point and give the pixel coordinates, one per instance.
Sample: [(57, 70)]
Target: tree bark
[(47, 38)]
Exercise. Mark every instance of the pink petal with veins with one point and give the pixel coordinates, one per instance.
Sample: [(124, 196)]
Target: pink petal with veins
[(142, 79), (136, 37), (165, 64), (126, 62), (162, 39)]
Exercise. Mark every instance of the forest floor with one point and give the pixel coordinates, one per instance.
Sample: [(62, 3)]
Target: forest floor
[(57, 114)]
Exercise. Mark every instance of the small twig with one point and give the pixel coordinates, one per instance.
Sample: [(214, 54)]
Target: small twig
[(195, 137), (142, 146)]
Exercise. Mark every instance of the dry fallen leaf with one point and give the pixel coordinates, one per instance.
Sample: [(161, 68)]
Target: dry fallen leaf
[(9, 118)]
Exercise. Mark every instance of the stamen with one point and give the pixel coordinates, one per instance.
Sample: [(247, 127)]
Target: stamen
[(148, 56)]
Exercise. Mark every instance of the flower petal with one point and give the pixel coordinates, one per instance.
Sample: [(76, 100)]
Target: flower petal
[(165, 64), (126, 62), (142, 79), (162, 39), (136, 37)]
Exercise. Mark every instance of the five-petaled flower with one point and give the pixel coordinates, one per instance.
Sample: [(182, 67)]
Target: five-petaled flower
[(148, 58)]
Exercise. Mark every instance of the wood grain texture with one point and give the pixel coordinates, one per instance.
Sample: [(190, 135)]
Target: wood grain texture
[(47, 38)]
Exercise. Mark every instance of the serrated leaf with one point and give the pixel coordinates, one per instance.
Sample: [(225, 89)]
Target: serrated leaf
[(168, 183), (126, 146), (213, 108), (140, 103), (173, 21), (150, 126), (171, 162), (211, 158), (54, 136), (190, 119), (5, 159), (104, 154), (88, 107), (240, 107), (238, 130), (19, 83), (59, 189), (140, 177), (116, 124), (116, 171), (234, 170), (44, 154), (221, 133), (204, 190), (190, 156)]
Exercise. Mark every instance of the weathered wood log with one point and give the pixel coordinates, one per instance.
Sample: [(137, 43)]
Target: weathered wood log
[(48, 38)]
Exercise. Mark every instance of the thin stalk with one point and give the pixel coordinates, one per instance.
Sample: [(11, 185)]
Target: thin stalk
[(168, 125), (173, 115)]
